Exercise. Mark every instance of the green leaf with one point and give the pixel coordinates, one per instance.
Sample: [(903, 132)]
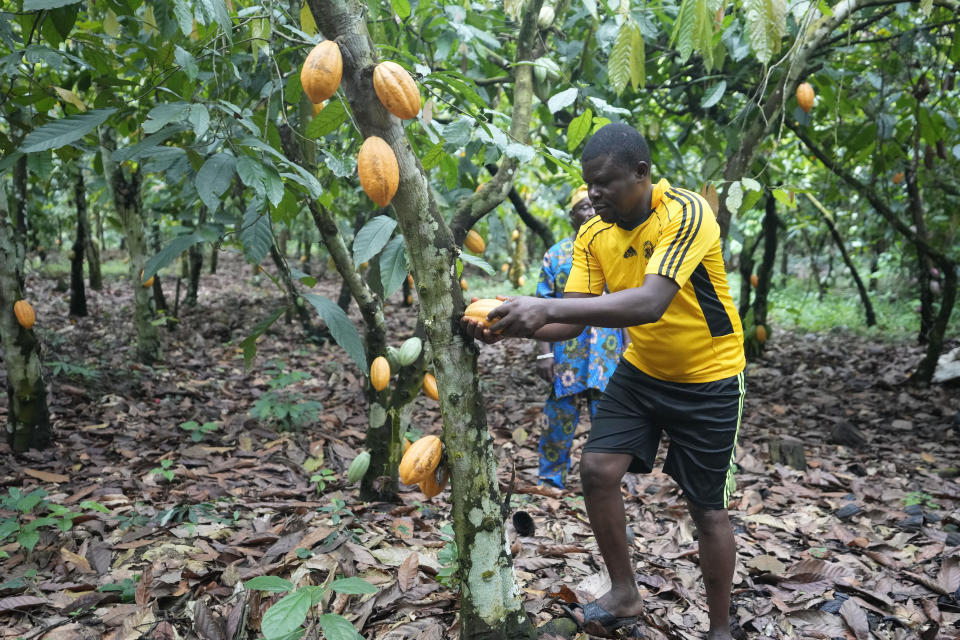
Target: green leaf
[(327, 121), (578, 129), (591, 6), (59, 133), (638, 58), (713, 96), (783, 196), (249, 344), (372, 238), (401, 8), (268, 583), (214, 177), (217, 11), (286, 614), (199, 117), (432, 157), (352, 586), (164, 114), (955, 47), (683, 28), (256, 235), (734, 196), (28, 539), (93, 505), (478, 262), (618, 66), (338, 628), (184, 15), (766, 26), (561, 100), (170, 253), (37, 5), (341, 327), (393, 265)]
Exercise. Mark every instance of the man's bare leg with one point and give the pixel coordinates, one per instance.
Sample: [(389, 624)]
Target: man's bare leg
[(718, 554), (602, 474)]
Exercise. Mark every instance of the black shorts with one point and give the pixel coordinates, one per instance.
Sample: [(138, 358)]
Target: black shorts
[(701, 419)]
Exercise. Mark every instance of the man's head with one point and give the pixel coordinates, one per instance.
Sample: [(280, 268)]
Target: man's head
[(616, 166), (580, 208)]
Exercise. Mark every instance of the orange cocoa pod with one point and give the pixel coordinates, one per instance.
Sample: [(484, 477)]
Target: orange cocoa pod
[(421, 459), (24, 313), (378, 170), (321, 72), (805, 96), (430, 387), (474, 242), (380, 373), (396, 90), (433, 483), (761, 334), (478, 310)]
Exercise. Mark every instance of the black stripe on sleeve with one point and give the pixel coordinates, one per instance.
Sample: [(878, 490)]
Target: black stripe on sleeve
[(718, 321), (587, 253), (664, 268), (692, 232)]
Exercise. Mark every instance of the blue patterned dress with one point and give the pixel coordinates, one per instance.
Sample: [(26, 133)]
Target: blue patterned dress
[(582, 366)]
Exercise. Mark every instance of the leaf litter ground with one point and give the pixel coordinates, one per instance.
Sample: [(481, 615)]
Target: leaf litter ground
[(864, 542)]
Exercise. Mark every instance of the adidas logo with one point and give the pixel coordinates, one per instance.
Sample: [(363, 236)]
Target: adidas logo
[(629, 253)]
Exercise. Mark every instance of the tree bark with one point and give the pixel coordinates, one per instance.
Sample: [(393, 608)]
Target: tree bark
[(847, 260), (128, 204), (78, 295), (746, 271), (769, 232), (195, 254), (214, 254), (491, 604), (28, 418)]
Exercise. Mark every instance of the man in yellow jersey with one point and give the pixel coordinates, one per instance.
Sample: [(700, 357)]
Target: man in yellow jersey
[(657, 250)]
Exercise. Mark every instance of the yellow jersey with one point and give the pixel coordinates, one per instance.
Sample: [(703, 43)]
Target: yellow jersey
[(699, 338)]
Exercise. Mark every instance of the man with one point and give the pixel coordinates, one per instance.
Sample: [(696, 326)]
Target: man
[(576, 369), (657, 249)]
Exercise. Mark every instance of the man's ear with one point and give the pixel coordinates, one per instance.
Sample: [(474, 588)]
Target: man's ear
[(642, 170)]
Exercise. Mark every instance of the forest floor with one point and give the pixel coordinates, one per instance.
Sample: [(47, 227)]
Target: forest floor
[(864, 540)]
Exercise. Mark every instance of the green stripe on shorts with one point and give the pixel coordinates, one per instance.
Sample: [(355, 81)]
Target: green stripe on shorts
[(731, 484)]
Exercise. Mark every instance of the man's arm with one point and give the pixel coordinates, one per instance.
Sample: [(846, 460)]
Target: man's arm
[(557, 320)]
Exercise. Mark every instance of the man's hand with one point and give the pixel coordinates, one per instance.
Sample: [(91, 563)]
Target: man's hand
[(477, 330), (519, 317), (545, 369)]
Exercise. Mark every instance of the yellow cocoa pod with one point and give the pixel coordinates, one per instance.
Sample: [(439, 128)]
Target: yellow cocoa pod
[(478, 310), (430, 387), (805, 96), (378, 169), (515, 234), (474, 242), (24, 313), (420, 460), (434, 482), (146, 283), (761, 334), (321, 72), (521, 280), (380, 373), (396, 90), (463, 284)]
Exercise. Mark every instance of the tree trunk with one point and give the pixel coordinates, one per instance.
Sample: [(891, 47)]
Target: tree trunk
[(20, 199), (128, 204), (769, 231), (295, 305), (491, 603), (746, 272), (847, 260), (938, 329), (195, 254), (518, 261), (28, 418), (78, 296), (214, 254), (95, 276)]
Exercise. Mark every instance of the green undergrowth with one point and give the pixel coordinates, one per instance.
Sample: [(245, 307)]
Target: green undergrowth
[(796, 307)]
